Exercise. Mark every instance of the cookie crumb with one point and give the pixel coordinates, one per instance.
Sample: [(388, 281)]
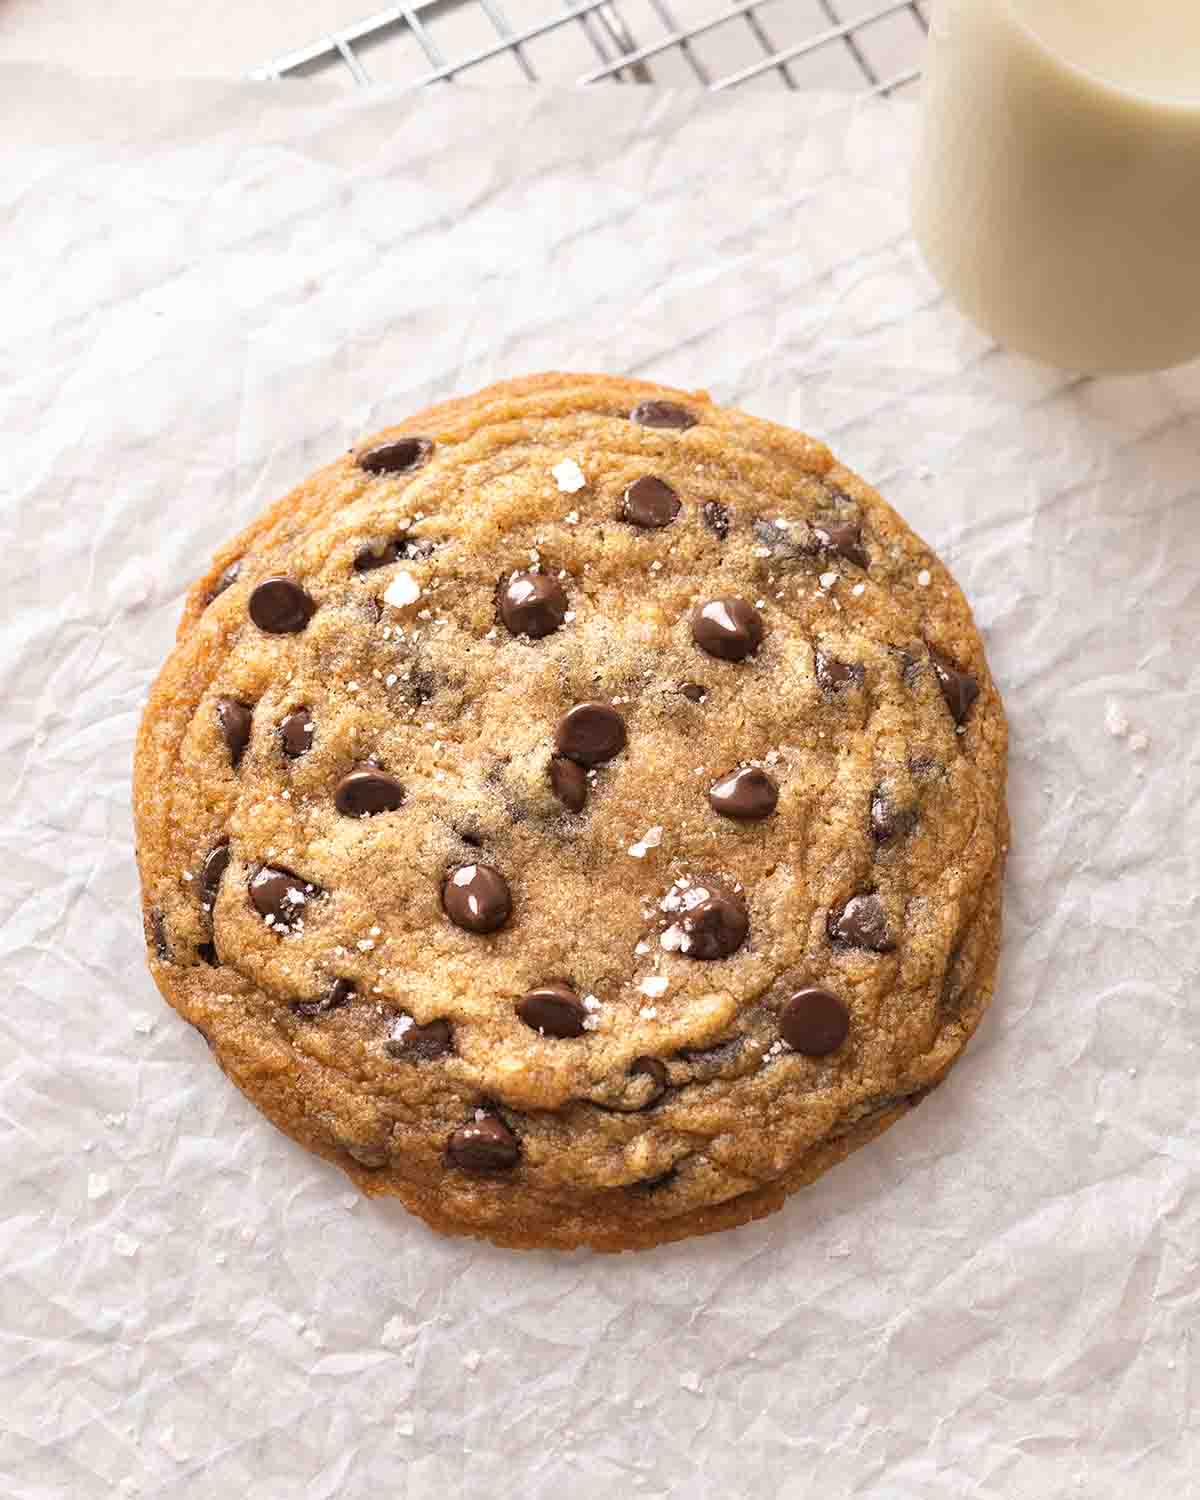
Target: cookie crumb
[(126, 1245), (568, 476), (98, 1186), (690, 1381), (1115, 720), (472, 1359)]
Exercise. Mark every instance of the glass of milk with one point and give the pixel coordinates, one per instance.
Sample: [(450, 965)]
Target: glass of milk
[(1057, 191)]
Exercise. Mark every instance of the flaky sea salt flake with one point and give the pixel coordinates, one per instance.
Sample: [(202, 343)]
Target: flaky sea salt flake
[(402, 591), (569, 476)]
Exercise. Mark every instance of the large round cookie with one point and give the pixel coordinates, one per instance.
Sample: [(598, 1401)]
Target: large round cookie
[(579, 811)]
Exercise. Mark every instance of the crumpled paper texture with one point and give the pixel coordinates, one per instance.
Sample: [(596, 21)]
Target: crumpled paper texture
[(206, 291)]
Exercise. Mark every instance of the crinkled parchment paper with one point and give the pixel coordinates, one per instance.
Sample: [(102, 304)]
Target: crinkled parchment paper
[(206, 291)]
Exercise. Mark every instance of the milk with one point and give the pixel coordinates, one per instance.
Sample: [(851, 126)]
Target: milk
[(1057, 191)]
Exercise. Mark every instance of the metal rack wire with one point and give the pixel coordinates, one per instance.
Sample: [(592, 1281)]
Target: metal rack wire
[(869, 45)]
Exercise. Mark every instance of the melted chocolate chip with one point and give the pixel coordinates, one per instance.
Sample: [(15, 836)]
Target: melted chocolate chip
[(339, 993), (421, 1043), (843, 539), (889, 821), (748, 793), (711, 921), (694, 692), (652, 1068), (234, 720), (590, 733), (282, 896), (207, 953), (814, 1022), (833, 676), (280, 606), (486, 1145), (554, 1009), (227, 577), (728, 628), (569, 783), (662, 414), (716, 518), (959, 688), (532, 604), (399, 456), (212, 870), (296, 733), (861, 923), (650, 502), (476, 898), (365, 791)]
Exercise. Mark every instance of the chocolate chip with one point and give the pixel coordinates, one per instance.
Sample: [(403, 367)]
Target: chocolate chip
[(650, 1067), (716, 518), (227, 577), (398, 456), (814, 1022), (889, 821), (476, 898), (662, 414), (158, 935), (339, 993), (650, 502), (959, 688), (421, 1043), (748, 793), (711, 921), (365, 791), (590, 733), (281, 896), (234, 719), (280, 606), (207, 953), (368, 558), (569, 783), (861, 923), (843, 538), (554, 1009), (728, 628), (212, 870), (833, 675), (532, 604), (695, 692), (486, 1145), (296, 733)]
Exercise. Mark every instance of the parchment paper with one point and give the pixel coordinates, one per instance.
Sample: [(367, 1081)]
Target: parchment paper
[(207, 290)]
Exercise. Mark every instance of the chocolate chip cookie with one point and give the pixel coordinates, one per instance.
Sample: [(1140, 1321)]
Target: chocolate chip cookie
[(578, 811)]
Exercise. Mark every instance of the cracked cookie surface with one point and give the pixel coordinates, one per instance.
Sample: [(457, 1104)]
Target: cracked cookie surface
[(579, 811)]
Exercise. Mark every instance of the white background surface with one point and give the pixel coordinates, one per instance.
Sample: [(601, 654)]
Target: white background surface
[(207, 290)]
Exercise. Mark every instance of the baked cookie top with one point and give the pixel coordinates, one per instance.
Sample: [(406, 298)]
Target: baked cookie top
[(578, 811)]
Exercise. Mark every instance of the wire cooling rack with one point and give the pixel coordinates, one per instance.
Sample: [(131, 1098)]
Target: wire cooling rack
[(870, 46)]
